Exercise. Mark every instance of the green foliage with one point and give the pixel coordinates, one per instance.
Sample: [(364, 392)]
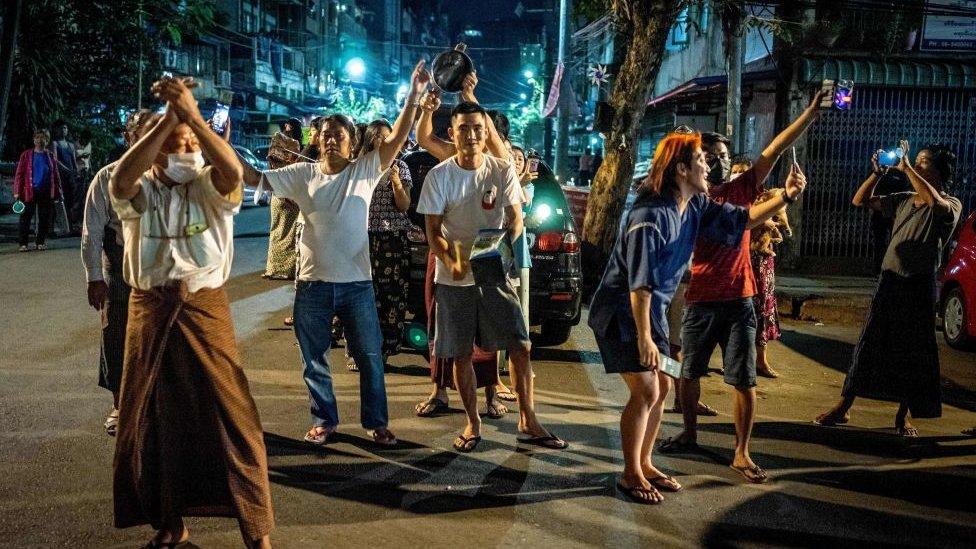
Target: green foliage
[(79, 60), (521, 117), (347, 103)]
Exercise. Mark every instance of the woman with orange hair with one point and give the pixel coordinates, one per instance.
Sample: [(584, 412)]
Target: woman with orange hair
[(628, 314)]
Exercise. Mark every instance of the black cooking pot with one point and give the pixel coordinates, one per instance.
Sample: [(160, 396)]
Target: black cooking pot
[(451, 67)]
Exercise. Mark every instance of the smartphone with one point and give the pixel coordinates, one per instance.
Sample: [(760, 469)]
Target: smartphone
[(533, 165), (891, 157), (793, 151), (830, 87), (219, 120), (844, 95)]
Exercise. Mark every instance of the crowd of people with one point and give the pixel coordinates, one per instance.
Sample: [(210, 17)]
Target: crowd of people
[(157, 247)]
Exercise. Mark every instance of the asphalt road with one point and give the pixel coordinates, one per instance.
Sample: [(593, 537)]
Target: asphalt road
[(830, 486)]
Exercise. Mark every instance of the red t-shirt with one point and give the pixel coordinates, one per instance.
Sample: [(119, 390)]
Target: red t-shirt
[(723, 273)]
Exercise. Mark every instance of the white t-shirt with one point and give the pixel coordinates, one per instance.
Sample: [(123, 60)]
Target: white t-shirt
[(335, 245), (184, 232), (469, 200)]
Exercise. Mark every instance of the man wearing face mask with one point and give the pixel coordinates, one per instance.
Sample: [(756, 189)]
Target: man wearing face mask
[(101, 254), (719, 297), (190, 441)]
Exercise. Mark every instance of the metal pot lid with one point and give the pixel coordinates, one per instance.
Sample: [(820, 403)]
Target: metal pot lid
[(451, 67)]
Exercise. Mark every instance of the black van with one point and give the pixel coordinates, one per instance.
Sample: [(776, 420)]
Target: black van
[(555, 286)]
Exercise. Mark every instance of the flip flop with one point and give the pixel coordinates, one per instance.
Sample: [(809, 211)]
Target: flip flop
[(675, 446), (907, 432), (112, 423), (753, 474), (382, 437), (507, 396), (431, 407), (826, 420), (666, 483), (549, 441), (321, 438), (706, 410), (464, 447), (635, 494)]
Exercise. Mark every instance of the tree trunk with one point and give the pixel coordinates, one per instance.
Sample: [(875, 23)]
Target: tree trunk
[(643, 27), (11, 19)]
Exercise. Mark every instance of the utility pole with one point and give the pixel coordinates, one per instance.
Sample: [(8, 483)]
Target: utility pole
[(139, 107), (733, 27), (562, 120), (10, 28)]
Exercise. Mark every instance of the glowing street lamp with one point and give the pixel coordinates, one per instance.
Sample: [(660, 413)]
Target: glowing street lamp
[(528, 74), (356, 68)]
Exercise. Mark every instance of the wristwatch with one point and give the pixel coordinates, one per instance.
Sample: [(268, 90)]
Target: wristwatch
[(786, 197)]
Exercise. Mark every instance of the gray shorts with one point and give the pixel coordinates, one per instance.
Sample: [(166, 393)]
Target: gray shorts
[(489, 317), (729, 324)]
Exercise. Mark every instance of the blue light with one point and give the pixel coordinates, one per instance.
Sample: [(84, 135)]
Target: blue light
[(528, 74), (523, 96)]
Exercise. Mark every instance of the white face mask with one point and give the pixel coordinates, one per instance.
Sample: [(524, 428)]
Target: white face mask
[(185, 167)]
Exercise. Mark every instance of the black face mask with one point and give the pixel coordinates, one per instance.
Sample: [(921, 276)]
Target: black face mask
[(719, 170)]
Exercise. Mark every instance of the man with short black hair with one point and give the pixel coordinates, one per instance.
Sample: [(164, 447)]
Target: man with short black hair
[(720, 308), (462, 195)]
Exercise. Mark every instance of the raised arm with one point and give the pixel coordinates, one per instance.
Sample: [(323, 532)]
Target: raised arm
[(390, 146), (226, 165), (439, 148), (764, 164), (796, 182), (864, 197), (923, 188), (139, 158), (495, 143)]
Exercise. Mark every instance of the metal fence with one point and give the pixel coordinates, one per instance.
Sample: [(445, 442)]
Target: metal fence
[(839, 158)]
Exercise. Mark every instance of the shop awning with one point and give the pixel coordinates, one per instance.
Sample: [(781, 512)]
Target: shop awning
[(760, 69), (918, 73)]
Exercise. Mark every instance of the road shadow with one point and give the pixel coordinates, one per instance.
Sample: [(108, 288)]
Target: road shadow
[(777, 519), (837, 355), (413, 487)]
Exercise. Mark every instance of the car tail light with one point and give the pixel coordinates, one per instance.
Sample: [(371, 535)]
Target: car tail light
[(550, 242), (571, 242)]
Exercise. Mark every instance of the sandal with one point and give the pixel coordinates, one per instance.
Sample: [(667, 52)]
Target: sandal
[(549, 441), (112, 422), (507, 396), (496, 410), (969, 432), (676, 446), (827, 419), (319, 435), (706, 410), (752, 473), (431, 407), (383, 436), (640, 494), (465, 444), (665, 482), (908, 431)]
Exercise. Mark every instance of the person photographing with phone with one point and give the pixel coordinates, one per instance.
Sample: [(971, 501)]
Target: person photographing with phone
[(897, 357), (628, 314)]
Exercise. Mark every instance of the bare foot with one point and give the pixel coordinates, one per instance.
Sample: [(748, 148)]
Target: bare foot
[(639, 490), (659, 479), (906, 429), (768, 371)]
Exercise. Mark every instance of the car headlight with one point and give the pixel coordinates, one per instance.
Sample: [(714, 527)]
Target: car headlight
[(542, 212)]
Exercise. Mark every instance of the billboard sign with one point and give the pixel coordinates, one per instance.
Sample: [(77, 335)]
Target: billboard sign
[(951, 28)]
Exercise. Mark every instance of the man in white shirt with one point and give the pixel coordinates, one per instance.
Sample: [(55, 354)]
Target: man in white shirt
[(335, 278), (462, 195), (101, 254), (190, 442)]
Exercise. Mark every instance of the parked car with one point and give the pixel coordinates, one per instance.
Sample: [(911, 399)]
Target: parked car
[(957, 290), (555, 287), (258, 164)]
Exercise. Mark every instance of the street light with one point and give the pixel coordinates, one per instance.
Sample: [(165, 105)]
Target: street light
[(523, 96), (528, 74), (356, 67)]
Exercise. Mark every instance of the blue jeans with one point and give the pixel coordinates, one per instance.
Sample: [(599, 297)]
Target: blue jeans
[(316, 303)]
